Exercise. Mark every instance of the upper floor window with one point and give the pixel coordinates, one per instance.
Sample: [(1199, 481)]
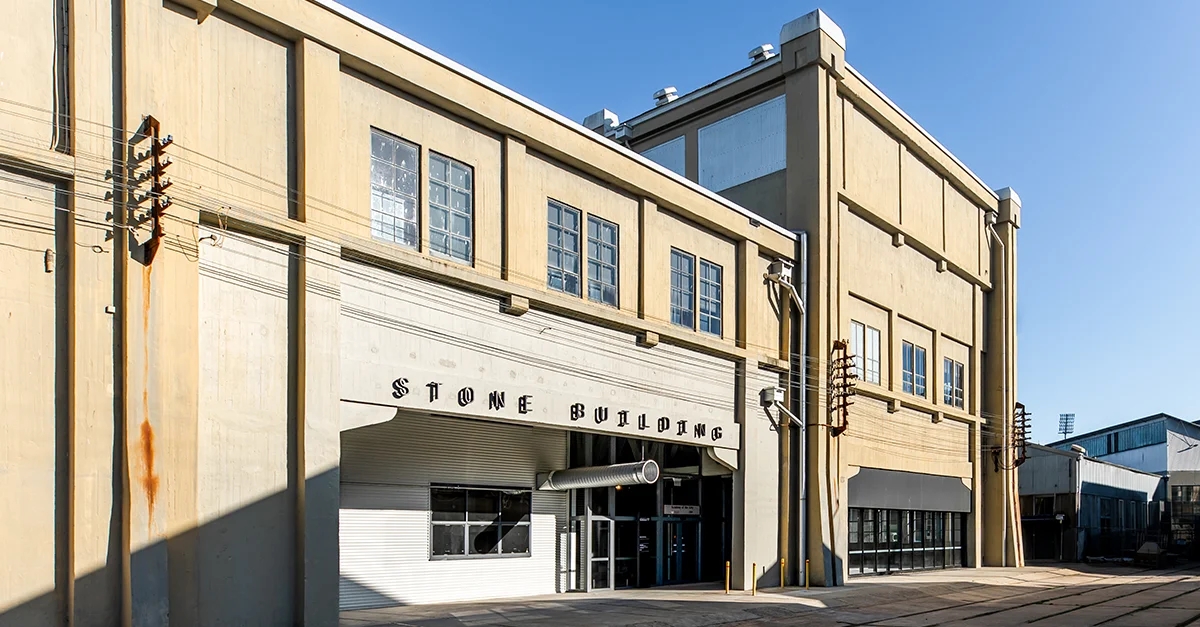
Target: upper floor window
[(683, 289), (744, 146), (710, 297), (479, 522), (864, 344), (451, 208), (394, 175), (913, 360), (669, 154), (602, 261), (952, 382), (562, 248)]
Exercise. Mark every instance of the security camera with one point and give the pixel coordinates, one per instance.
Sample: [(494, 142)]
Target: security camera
[(780, 270), (769, 397)]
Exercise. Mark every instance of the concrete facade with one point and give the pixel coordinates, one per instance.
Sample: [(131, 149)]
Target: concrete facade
[(902, 238), (191, 362), (177, 409)]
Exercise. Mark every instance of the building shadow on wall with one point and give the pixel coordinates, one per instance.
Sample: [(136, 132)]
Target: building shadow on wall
[(237, 569)]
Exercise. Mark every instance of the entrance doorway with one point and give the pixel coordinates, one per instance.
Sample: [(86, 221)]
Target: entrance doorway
[(674, 531), (681, 549)]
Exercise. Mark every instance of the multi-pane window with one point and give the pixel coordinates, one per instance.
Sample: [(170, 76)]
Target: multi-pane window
[(602, 261), (864, 344), (952, 382), (710, 297), (451, 208), (394, 176), (562, 248), (683, 289), (479, 522), (913, 368)]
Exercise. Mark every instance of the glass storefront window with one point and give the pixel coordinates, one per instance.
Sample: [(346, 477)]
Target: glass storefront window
[(882, 540)]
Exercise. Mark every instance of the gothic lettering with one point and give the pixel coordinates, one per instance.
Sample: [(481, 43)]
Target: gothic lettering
[(601, 414), (682, 428), (642, 426), (433, 390), (466, 396), (525, 404), (399, 388), (664, 424), (576, 411), (496, 400), (623, 418), (700, 430), (716, 433)]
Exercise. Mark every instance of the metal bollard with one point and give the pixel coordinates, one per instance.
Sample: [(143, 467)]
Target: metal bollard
[(727, 566), (754, 579), (806, 574), (783, 572)]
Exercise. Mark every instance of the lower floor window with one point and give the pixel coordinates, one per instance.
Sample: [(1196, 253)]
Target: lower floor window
[(479, 522), (890, 540)]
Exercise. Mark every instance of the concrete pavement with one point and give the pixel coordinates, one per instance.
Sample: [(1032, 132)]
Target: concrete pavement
[(1051, 596)]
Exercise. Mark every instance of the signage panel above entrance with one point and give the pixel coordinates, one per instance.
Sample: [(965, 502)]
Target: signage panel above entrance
[(413, 344)]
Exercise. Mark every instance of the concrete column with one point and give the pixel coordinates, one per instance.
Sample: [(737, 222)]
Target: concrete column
[(812, 49), (97, 523), (316, 350), (1001, 516)]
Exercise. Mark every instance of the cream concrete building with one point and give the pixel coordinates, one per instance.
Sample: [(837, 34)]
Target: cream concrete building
[(301, 315), (911, 259)]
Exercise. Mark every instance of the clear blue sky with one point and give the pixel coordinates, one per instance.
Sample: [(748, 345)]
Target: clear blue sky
[(1090, 110)]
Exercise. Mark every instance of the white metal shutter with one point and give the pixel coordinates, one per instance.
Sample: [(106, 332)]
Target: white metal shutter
[(384, 520)]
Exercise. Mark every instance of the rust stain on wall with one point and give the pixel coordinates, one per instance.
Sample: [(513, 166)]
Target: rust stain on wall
[(149, 479)]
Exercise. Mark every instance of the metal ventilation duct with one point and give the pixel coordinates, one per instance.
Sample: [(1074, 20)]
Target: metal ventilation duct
[(636, 473)]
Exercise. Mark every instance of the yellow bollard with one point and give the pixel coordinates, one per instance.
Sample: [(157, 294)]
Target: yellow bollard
[(806, 574), (783, 572), (727, 577), (754, 579)]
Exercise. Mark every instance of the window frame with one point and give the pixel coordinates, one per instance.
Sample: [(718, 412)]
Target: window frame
[(867, 362), (691, 287), (719, 286), (448, 207), (913, 378), (953, 383), (561, 249), (601, 245), (394, 192), (466, 523)]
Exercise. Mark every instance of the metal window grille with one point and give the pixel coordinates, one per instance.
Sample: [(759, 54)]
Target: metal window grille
[(858, 335), (451, 208), (469, 522), (394, 176), (710, 297), (602, 261), (562, 248), (683, 289)]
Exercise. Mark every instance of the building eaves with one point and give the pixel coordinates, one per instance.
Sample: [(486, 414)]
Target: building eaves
[(397, 38), (1076, 438), (1055, 451), (703, 91)]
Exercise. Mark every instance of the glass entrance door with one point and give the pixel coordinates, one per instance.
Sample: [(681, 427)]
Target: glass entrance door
[(681, 542)]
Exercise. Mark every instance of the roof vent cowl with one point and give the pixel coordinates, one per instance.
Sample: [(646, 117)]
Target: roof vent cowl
[(665, 95), (762, 53)]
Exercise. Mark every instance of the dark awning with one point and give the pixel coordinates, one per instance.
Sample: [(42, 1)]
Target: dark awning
[(895, 489)]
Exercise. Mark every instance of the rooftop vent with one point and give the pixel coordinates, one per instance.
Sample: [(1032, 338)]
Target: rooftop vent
[(762, 53), (665, 95), (602, 121)]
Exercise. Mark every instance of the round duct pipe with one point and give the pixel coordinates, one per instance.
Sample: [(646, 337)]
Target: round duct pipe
[(635, 473)]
